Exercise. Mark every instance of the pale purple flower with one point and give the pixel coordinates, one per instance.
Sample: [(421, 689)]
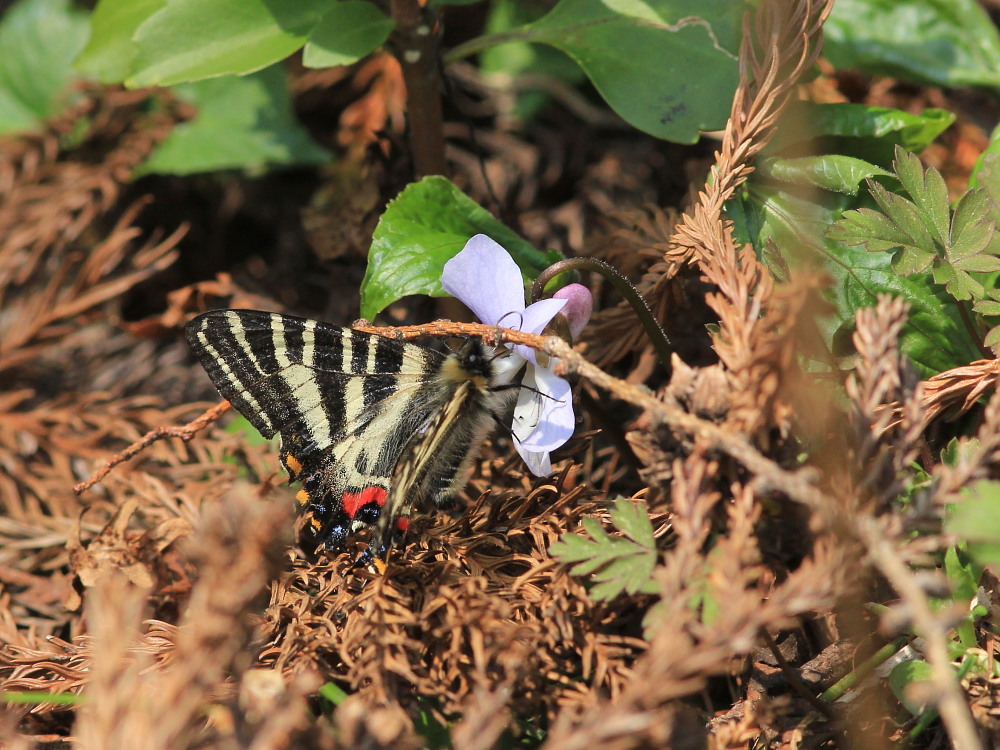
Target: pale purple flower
[(488, 281)]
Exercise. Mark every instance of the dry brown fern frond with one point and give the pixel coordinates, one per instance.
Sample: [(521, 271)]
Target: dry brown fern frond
[(479, 606), (52, 197), (782, 44), (687, 649), (236, 552), (959, 388), (633, 241), (884, 440), (762, 363)]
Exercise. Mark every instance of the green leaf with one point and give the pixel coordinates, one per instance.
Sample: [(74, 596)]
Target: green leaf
[(935, 337), (619, 564), (39, 39), (189, 40), (40, 697), (899, 229), (640, 56), (523, 62), (906, 674), (842, 174), (940, 42), (992, 339), (928, 191), (964, 579), (422, 229), (976, 520), (955, 449), (857, 130), (633, 521), (920, 231), (110, 50), (332, 692), (349, 31), (243, 122), (249, 435), (991, 154)]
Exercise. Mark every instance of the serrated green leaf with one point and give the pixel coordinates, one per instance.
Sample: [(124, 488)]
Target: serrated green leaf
[(633, 520), (38, 39), (593, 527), (349, 31), (972, 248), (898, 229), (629, 574), (422, 229), (927, 191), (189, 40), (992, 339), (920, 232), (618, 564), (956, 449), (935, 337), (904, 675), (243, 122), (959, 284)]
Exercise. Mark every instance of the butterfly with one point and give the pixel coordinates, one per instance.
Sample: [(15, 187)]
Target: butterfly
[(371, 426)]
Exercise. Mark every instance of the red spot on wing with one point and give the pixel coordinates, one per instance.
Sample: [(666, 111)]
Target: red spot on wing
[(402, 524), (354, 501)]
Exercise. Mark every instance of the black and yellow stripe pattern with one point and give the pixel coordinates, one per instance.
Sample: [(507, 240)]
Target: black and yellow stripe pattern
[(369, 425)]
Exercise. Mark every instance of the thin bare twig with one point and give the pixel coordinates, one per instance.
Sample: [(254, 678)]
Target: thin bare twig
[(185, 432)]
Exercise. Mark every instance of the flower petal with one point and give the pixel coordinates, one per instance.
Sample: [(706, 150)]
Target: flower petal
[(580, 304), (538, 463), (549, 407), (534, 319), (486, 279)]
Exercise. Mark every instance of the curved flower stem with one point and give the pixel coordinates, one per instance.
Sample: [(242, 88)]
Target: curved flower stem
[(656, 335)]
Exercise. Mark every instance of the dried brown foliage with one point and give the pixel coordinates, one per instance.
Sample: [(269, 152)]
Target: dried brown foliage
[(171, 594)]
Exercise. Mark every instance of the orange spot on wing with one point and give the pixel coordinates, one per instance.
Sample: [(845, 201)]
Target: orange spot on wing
[(302, 496), (293, 464), (354, 501)]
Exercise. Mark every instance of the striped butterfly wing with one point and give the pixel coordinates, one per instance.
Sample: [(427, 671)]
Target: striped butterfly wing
[(345, 404)]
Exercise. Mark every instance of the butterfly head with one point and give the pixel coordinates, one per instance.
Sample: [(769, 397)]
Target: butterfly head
[(473, 362)]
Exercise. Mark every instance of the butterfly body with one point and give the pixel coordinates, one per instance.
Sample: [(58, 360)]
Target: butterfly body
[(369, 425)]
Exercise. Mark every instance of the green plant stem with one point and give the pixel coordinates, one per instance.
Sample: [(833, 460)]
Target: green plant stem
[(973, 332), (657, 337), (479, 43), (415, 44), (864, 669)]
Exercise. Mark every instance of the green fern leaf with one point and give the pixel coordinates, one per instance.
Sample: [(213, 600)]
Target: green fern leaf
[(923, 233), (616, 564)]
